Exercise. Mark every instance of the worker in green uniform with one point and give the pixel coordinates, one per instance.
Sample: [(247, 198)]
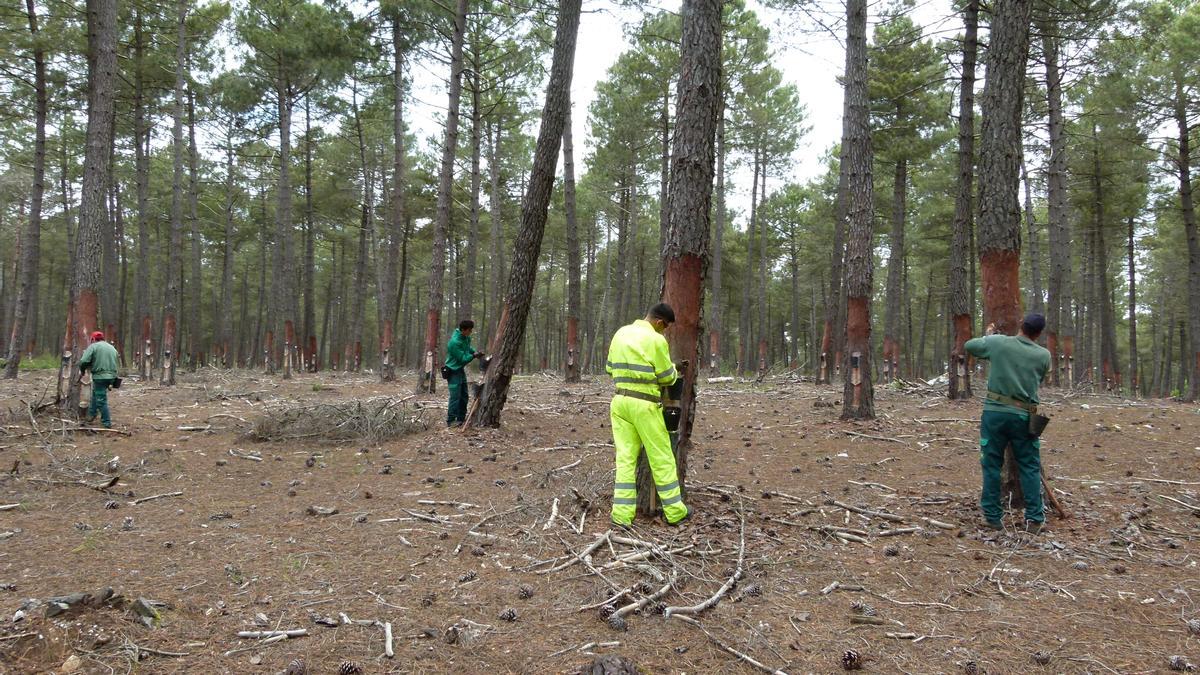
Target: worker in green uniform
[(459, 353), (640, 364), (101, 359), (1018, 366)]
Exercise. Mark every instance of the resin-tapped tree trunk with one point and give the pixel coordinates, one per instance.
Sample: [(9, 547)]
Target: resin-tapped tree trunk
[(427, 369), (82, 314), (964, 213), (522, 276), (858, 397), (689, 199), (999, 179), (30, 239), (573, 261)]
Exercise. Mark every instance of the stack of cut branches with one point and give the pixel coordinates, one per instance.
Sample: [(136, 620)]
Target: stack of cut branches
[(373, 419)]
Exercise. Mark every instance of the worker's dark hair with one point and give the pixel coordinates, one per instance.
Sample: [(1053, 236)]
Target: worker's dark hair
[(1033, 325), (466, 324), (662, 311)]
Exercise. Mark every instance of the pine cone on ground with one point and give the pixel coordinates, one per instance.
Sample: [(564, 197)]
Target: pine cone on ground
[(607, 611), (1041, 658), (112, 504), (752, 591), (617, 622), (971, 668), (891, 550), (1081, 566), (852, 660), (296, 667), (1193, 626), (1180, 663), (525, 592), (862, 608), (469, 576), (509, 614), (349, 668)]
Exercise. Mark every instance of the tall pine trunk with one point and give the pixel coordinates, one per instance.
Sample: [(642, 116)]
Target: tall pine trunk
[(960, 300), (195, 312), (895, 276), (1033, 241), (309, 329), (1134, 383), (82, 312), (858, 398), (689, 205), (1183, 162), (172, 298), (141, 132), (573, 261), (397, 237), (1060, 322), (437, 269), (227, 262), (718, 248), (999, 178), (466, 303), (30, 240), (523, 274), (496, 238)]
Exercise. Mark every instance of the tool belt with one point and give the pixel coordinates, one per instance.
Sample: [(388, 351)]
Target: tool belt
[(1037, 423), (639, 395)]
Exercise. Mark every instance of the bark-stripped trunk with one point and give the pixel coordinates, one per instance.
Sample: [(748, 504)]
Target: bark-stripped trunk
[(428, 368), (30, 240), (573, 262), (172, 298), (523, 274), (1060, 323), (714, 303), (960, 291), (82, 313), (858, 396), (895, 277), (999, 177)]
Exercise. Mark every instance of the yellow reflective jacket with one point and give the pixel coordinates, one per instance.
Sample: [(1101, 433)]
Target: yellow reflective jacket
[(639, 359)]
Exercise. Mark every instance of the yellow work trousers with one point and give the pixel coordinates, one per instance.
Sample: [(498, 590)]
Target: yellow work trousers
[(637, 424)]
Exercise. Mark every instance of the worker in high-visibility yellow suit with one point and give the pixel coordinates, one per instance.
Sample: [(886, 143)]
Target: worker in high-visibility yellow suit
[(640, 364)]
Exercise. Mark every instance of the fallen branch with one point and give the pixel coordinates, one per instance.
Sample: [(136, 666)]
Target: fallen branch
[(600, 541), (645, 602), (244, 455), (874, 438), (891, 517), (259, 634), (153, 497), (733, 579), (9, 507), (388, 651), (730, 650), (553, 515), (1050, 497), (457, 505)]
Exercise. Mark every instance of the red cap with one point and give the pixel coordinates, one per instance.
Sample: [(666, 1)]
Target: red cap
[(97, 336)]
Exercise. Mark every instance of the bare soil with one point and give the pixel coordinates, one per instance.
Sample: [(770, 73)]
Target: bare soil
[(1108, 590)]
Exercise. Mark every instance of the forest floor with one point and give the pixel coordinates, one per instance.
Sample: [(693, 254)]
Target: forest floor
[(238, 548)]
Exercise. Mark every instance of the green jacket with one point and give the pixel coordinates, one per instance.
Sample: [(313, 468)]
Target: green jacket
[(1018, 367), (100, 358), (639, 359), (459, 351)]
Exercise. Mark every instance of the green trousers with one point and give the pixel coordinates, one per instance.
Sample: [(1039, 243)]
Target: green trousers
[(996, 431), (636, 424), (457, 384), (99, 403)]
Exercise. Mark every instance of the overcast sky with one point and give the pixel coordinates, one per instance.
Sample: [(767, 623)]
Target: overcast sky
[(806, 46)]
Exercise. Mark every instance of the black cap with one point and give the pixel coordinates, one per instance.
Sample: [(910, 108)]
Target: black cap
[(663, 311), (1033, 324)]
